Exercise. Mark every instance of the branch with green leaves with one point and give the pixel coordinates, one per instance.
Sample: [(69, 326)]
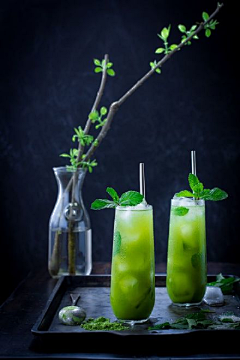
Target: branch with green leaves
[(208, 24)]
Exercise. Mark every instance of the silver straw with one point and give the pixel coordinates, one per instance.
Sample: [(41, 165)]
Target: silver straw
[(142, 179), (193, 161)]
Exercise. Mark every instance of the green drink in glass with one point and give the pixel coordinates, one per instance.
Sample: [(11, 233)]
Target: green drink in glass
[(133, 265), (186, 261), (186, 258), (132, 293)]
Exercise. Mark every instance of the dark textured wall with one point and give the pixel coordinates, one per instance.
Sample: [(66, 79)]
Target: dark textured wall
[(48, 87)]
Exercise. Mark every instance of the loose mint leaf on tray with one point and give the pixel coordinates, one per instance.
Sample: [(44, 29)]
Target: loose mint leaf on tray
[(226, 284)]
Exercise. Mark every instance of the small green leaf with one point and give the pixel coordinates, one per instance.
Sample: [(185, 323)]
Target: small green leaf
[(98, 69), (216, 194), (94, 115), (158, 71), (111, 72), (159, 51), (193, 28), (226, 284), (113, 194), (204, 194), (196, 260), (198, 188), (165, 33), (109, 64), (208, 32), (103, 110), (182, 28), (97, 62), (180, 211), (131, 198), (152, 64), (100, 204), (65, 155), (193, 180), (184, 193), (205, 16), (117, 242), (173, 46)]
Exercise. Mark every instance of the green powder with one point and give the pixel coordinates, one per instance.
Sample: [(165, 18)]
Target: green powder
[(103, 324)]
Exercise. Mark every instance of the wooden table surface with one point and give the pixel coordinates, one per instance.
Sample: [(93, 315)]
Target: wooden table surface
[(21, 310)]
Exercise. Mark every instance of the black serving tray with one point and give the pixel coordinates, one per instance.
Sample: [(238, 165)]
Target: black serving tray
[(95, 291)]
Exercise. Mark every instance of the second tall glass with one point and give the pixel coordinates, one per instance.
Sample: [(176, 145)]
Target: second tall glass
[(186, 260)]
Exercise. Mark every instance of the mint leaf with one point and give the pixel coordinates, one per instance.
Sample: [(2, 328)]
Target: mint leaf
[(184, 193), (216, 194), (226, 284), (113, 194), (197, 189), (100, 204), (117, 242), (130, 198), (193, 181), (196, 260), (180, 211), (204, 194)]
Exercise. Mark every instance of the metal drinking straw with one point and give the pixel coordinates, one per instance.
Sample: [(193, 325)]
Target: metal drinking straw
[(142, 179), (193, 161)]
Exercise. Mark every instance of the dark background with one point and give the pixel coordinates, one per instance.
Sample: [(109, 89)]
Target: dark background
[(48, 87)]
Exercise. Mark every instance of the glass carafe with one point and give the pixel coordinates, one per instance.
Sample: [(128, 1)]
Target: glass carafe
[(70, 234)]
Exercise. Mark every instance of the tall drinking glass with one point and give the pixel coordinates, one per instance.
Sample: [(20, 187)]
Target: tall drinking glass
[(186, 259), (133, 264)]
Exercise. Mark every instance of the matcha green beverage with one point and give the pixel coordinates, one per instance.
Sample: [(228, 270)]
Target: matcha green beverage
[(132, 293), (186, 261), (133, 265), (186, 258)]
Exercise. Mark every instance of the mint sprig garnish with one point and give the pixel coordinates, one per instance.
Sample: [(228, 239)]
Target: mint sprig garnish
[(226, 284), (198, 191), (129, 198)]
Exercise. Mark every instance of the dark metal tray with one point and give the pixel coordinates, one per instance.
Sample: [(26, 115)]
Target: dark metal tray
[(95, 291)]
